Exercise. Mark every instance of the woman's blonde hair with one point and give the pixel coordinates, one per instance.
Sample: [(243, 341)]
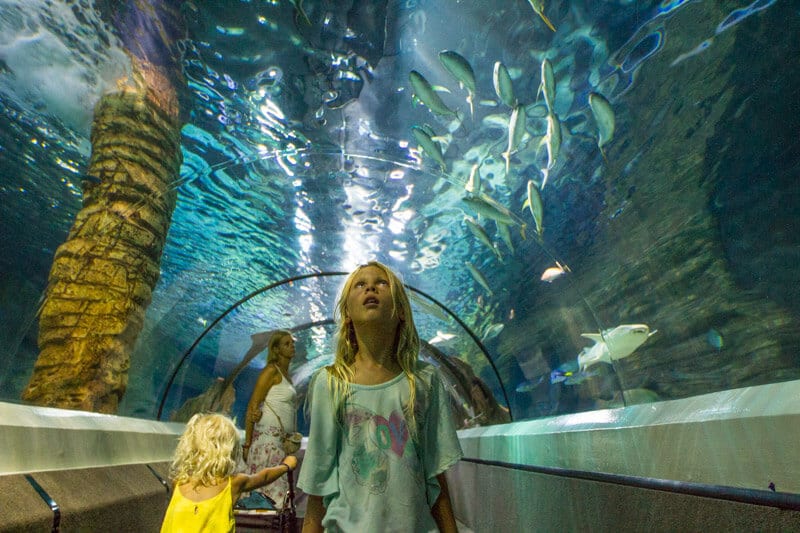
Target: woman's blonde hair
[(406, 344), (207, 451), (274, 340)]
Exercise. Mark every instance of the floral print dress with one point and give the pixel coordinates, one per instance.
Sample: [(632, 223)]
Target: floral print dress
[(265, 447)]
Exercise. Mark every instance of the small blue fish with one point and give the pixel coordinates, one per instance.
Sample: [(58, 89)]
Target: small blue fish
[(569, 377), (714, 338), (579, 377), (557, 376), (529, 384)]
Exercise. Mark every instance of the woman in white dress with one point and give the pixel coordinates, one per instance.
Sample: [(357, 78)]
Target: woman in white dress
[(271, 412)]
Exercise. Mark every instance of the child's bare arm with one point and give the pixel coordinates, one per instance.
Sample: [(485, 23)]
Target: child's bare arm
[(442, 509), (315, 512), (246, 483)]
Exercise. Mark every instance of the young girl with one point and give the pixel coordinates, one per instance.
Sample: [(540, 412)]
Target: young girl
[(204, 486), (381, 432)]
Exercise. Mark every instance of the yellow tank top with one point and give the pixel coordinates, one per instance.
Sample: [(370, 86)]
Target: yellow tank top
[(214, 515)]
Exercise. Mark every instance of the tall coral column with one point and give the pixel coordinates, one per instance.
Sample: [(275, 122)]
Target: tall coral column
[(102, 277)]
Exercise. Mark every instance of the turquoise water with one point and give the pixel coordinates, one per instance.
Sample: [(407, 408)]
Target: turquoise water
[(300, 158)]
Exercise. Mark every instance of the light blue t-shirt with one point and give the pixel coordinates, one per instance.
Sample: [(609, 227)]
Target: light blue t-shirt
[(370, 472)]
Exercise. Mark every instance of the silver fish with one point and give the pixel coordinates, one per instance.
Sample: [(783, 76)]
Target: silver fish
[(480, 234), (548, 85), (516, 131), (534, 203), (492, 332), (429, 146), (428, 306), (489, 208), (473, 184), (462, 71), (553, 142), (428, 96), (505, 234), (476, 274), (604, 118), (502, 85)]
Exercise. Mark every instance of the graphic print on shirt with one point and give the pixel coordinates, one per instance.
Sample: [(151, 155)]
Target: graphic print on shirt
[(378, 442)]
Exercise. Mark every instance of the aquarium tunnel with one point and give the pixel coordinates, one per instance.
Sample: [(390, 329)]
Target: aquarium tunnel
[(593, 207)]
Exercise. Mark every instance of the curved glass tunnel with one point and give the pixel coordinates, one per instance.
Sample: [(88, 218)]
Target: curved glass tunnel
[(598, 222), (231, 350)]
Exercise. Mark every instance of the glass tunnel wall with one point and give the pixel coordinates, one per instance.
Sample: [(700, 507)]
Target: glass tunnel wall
[(611, 207)]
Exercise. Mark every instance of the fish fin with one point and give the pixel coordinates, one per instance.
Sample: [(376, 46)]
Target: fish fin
[(470, 101), (596, 337), (526, 203), (298, 5), (542, 142), (522, 230), (507, 157), (546, 173)]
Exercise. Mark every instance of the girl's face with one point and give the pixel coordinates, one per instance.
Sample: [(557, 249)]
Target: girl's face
[(285, 347), (370, 297)]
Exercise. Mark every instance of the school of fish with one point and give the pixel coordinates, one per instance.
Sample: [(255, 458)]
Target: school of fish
[(609, 344)]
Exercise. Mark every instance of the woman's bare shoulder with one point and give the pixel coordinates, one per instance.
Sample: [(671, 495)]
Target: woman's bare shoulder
[(270, 374)]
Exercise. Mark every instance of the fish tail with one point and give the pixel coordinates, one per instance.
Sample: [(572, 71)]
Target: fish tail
[(603, 153), (303, 13), (546, 20), (459, 117)]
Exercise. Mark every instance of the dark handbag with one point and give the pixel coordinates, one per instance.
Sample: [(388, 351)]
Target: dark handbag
[(283, 520)]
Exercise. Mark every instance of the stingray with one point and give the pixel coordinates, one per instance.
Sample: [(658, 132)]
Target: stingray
[(220, 396)]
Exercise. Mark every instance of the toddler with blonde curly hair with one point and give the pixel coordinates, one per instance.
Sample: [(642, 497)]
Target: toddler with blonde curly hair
[(205, 487)]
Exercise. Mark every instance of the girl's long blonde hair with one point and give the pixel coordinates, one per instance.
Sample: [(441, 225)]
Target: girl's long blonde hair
[(207, 451), (406, 345)]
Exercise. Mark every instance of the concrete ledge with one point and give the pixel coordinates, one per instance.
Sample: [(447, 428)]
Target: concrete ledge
[(740, 438)]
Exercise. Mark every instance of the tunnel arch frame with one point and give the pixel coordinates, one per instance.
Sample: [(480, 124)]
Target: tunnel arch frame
[(300, 277)]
